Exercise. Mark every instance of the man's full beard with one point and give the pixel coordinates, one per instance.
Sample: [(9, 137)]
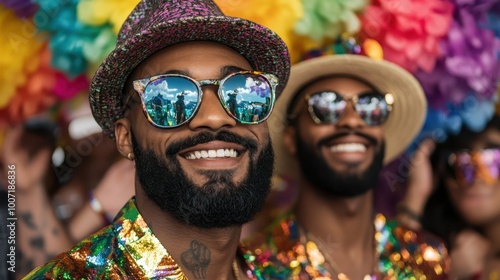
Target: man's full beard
[(220, 202), (332, 183)]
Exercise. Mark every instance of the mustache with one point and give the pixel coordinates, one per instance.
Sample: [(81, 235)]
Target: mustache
[(326, 140), (206, 136)]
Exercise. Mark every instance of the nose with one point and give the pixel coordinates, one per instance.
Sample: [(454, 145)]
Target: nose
[(350, 119), (211, 114)]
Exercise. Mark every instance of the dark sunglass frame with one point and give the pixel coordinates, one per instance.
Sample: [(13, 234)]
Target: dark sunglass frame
[(387, 97), (141, 85)]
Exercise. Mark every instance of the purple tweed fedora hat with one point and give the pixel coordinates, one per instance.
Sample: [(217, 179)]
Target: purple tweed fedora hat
[(156, 24)]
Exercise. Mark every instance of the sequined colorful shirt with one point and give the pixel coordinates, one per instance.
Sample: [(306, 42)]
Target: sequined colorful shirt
[(281, 253), (126, 249)]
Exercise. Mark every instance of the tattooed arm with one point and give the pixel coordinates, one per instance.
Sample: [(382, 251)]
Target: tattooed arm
[(40, 235)]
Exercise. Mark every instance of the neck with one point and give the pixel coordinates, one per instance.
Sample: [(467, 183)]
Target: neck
[(323, 216), (191, 246), (344, 223)]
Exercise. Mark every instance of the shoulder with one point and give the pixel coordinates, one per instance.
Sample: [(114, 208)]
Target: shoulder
[(281, 235), (421, 251), (92, 256), (275, 249)]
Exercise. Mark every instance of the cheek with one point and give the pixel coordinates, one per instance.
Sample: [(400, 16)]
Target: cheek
[(311, 133), (261, 132), (149, 137), (309, 137), (476, 213), (453, 190), (376, 132)]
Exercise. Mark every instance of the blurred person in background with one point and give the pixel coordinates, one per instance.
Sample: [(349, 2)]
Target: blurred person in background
[(59, 204), (341, 118), (454, 192)]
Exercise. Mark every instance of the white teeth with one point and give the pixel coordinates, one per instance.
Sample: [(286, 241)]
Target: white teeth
[(348, 147), (220, 153)]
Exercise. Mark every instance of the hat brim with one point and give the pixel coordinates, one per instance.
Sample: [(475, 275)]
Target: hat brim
[(263, 48), (403, 124)]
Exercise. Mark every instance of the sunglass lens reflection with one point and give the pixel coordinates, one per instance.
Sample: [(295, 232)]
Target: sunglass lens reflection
[(247, 97), (171, 101), (372, 108), (328, 107)]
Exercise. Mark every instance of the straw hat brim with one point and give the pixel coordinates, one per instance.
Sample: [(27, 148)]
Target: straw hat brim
[(403, 124)]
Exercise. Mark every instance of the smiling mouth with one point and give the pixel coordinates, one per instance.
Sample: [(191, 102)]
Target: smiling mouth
[(219, 153), (348, 148)]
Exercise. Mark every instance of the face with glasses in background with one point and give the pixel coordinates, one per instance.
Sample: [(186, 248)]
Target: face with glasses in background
[(473, 176), (195, 118), (335, 129)]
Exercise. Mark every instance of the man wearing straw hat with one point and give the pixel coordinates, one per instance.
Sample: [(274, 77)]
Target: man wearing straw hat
[(341, 117), (199, 178)]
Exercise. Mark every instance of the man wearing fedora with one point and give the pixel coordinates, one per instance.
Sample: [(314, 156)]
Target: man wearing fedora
[(341, 117), (198, 179)]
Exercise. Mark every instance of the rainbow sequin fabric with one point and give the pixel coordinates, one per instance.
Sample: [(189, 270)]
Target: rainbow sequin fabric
[(126, 249), (403, 254)]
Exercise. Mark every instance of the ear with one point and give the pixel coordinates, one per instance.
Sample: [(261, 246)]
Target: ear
[(123, 136), (289, 140)]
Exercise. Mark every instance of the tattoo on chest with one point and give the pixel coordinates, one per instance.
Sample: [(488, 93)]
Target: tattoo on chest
[(196, 259)]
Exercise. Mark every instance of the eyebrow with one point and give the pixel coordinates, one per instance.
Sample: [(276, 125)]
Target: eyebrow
[(226, 70)]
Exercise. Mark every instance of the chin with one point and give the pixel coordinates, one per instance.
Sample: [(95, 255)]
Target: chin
[(477, 218), (351, 169)]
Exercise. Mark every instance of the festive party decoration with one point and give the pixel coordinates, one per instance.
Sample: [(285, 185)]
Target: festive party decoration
[(464, 81), (348, 44), (109, 17), (408, 30), (22, 8), (33, 97), (96, 50), (66, 88), (67, 36), (278, 15), (328, 19), (101, 12), (40, 78), (469, 63), (20, 50)]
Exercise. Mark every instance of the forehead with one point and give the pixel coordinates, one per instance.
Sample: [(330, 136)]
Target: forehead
[(197, 58), (489, 138), (344, 85)]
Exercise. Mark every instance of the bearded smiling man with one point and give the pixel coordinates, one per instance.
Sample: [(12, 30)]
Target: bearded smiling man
[(346, 115), (198, 178)]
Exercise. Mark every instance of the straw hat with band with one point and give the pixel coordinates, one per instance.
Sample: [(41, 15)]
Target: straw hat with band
[(404, 121), (156, 24)]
